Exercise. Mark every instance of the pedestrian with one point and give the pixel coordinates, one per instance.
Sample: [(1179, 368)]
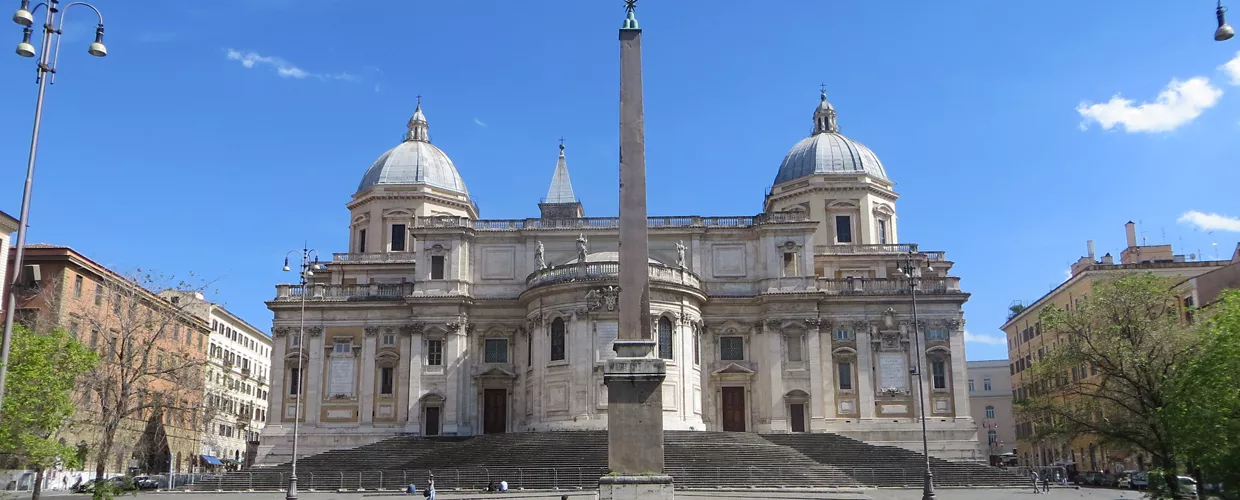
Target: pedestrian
[(1046, 483), (1034, 476), (503, 485), (430, 488), (411, 489)]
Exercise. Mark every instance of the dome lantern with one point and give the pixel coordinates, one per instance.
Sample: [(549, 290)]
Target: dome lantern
[(827, 151)]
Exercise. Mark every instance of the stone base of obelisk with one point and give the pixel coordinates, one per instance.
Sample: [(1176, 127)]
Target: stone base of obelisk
[(635, 424)]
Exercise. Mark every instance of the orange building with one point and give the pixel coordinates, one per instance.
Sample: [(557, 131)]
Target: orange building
[(152, 353)]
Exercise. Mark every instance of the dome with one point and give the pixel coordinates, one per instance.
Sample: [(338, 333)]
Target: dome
[(606, 257), (415, 162), (828, 152)]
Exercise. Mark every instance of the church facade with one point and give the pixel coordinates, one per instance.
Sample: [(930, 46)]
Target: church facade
[(437, 322)]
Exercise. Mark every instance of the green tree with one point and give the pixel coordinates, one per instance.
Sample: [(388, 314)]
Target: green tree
[(43, 371), (1205, 412), (1116, 371)]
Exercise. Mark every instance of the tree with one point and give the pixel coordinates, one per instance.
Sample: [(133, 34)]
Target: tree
[(1116, 370), (43, 372)]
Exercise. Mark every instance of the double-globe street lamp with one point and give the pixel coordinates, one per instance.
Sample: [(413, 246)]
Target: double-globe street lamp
[(910, 268), (308, 266), (45, 73)]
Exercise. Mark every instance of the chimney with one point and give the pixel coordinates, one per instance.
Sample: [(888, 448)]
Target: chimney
[(1107, 259), (1090, 244), (1131, 230)]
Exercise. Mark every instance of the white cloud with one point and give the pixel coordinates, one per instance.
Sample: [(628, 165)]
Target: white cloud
[(1181, 102), (1210, 222), (251, 59), (1232, 68), (480, 122), (978, 338)]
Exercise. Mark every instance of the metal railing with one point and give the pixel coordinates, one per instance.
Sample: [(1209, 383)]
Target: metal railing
[(885, 286), (877, 249), (367, 258), (587, 478)]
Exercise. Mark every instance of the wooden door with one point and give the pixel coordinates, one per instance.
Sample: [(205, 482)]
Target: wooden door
[(432, 421), (734, 409), (494, 411), (797, 411)]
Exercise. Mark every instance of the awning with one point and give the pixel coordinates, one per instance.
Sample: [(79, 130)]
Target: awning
[(210, 460)]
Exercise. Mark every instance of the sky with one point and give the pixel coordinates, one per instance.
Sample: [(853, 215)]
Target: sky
[(217, 136)]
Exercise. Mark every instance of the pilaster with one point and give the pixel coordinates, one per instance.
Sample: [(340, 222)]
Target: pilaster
[(278, 392), (314, 374), (774, 378), (367, 397), (865, 373), (814, 359), (960, 389), (414, 365)]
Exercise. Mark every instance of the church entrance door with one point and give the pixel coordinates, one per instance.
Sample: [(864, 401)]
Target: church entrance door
[(432, 421), (798, 416), (494, 411), (734, 409)]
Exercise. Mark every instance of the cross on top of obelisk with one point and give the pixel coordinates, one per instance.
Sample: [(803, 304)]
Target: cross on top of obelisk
[(630, 4)]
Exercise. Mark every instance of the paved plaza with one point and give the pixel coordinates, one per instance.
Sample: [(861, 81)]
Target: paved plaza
[(1060, 493)]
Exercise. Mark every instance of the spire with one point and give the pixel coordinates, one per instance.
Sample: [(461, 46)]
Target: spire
[(824, 116), (561, 187), (630, 20), (418, 129)]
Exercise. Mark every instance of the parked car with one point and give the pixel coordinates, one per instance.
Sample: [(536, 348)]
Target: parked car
[(145, 483), (1140, 480), (1188, 487), (1125, 481), (124, 483)]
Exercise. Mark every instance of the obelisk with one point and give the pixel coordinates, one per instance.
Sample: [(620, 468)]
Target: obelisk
[(635, 376)]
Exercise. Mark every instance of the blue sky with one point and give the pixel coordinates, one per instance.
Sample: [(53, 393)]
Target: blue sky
[(218, 135)]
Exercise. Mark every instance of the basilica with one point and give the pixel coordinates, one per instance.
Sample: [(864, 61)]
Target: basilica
[(811, 316)]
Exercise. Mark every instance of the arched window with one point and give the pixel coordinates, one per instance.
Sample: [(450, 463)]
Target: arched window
[(665, 338), (990, 412), (557, 339), (992, 437)]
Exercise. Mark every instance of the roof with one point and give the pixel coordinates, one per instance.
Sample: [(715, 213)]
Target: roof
[(7, 221), (561, 186), (827, 151)]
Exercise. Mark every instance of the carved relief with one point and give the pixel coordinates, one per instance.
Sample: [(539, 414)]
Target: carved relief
[(281, 332), (603, 298), (412, 328), (371, 331), (388, 330), (314, 331)]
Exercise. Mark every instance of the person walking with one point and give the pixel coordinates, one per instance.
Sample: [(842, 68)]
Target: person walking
[(1033, 474), (1046, 483)]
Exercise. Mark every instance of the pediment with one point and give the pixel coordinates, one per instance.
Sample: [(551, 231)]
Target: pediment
[(733, 369), (496, 372), (732, 327)]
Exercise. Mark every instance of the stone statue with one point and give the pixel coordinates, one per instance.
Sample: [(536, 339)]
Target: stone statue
[(539, 256), (680, 254), (581, 248)]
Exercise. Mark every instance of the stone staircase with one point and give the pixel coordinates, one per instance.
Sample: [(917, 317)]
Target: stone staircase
[(891, 465), (576, 459)]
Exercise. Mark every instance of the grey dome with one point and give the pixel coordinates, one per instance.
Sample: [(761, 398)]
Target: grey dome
[(827, 151), (415, 162)]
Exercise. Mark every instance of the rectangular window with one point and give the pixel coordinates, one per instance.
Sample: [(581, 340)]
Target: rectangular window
[(98, 294), (361, 241), (970, 385), (731, 348), (389, 339), (437, 267), (790, 264), (294, 340), (434, 352), (294, 380), (842, 334), (794, 348), (986, 384), (845, 376), (77, 287), (398, 237), (939, 370), (387, 379), (496, 351), (697, 348), (343, 346), (935, 334), (882, 231), (843, 229)]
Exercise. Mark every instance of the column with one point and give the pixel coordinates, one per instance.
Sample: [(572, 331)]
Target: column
[(827, 361), (457, 403), (314, 374), (960, 385), (814, 358), (414, 363), (774, 373), (366, 411), (924, 376), (277, 391), (865, 373)]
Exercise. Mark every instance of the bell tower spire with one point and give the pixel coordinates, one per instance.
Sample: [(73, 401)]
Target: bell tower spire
[(418, 129), (561, 202), (824, 116)]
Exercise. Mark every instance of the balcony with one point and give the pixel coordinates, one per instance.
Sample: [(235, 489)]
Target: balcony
[(374, 258), (889, 249), (862, 286), (606, 222), (598, 271), (344, 293)]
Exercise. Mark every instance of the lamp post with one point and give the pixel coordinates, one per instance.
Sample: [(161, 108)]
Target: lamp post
[(1224, 31), (45, 73), (308, 267), (911, 269)]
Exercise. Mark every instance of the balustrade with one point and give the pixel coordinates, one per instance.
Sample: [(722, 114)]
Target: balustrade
[(606, 222), (600, 270), (352, 258)]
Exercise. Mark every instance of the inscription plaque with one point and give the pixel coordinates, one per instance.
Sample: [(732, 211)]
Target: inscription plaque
[(892, 371), (342, 377), (607, 333)]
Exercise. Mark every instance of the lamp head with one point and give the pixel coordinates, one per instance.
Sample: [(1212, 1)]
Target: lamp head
[(1224, 31), (98, 49), (23, 15), (286, 264), (25, 49), (309, 273)]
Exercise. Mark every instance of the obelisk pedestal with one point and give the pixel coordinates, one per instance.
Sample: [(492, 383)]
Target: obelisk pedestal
[(634, 378)]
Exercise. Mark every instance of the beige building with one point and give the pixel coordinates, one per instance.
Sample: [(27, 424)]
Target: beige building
[(438, 322), (8, 226), (990, 403), (1027, 344)]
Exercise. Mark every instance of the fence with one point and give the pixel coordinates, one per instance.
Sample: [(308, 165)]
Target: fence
[(571, 478)]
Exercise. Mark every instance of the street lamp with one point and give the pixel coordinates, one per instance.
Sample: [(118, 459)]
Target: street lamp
[(307, 269), (45, 74), (911, 269), (1224, 31)]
